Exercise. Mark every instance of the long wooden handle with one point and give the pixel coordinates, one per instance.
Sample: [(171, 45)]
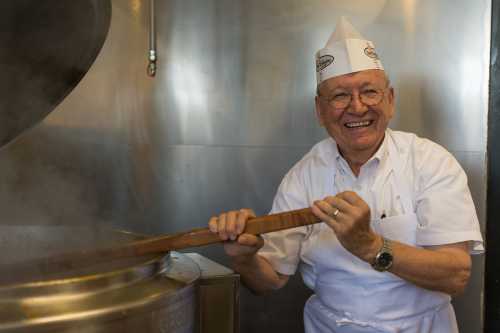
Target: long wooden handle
[(203, 236), (193, 238)]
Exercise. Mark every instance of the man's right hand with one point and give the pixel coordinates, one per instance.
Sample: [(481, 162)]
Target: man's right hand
[(255, 271), (231, 226)]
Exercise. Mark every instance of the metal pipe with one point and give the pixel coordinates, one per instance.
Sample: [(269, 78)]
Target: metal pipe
[(152, 40)]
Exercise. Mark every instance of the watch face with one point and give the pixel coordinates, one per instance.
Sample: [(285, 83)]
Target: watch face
[(384, 260)]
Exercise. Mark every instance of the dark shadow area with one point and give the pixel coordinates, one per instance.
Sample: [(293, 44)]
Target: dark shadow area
[(492, 271)]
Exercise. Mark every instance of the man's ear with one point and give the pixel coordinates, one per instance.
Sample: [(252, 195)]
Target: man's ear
[(391, 95), (391, 100), (319, 114)]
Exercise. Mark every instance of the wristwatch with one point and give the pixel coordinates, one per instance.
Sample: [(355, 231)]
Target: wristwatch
[(384, 257)]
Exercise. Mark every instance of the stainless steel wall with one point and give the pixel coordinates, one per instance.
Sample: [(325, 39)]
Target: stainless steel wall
[(232, 109)]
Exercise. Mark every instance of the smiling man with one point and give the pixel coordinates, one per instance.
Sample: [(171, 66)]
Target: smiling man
[(399, 222), (355, 109)]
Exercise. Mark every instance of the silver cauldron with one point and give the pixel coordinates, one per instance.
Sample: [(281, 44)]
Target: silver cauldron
[(164, 293)]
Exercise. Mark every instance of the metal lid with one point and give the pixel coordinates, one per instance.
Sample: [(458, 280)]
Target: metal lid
[(47, 47)]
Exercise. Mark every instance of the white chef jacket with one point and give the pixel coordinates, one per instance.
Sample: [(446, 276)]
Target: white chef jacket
[(417, 194)]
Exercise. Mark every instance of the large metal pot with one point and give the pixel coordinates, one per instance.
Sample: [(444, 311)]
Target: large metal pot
[(159, 293), (147, 294)]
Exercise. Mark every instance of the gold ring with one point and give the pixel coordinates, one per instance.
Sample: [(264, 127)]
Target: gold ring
[(336, 212)]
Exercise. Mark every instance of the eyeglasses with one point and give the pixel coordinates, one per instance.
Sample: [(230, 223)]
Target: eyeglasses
[(342, 99)]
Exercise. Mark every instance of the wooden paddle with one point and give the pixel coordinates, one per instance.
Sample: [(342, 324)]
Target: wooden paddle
[(203, 236), (161, 244)]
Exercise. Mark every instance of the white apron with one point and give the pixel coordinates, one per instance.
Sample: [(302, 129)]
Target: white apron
[(351, 297)]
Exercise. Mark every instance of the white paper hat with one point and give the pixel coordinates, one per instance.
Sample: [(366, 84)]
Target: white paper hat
[(345, 52)]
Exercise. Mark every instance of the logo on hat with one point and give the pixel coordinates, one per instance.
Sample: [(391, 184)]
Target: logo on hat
[(370, 52), (323, 62)]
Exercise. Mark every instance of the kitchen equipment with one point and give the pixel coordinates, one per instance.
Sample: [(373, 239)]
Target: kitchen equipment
[(47, 48), (153, 293)]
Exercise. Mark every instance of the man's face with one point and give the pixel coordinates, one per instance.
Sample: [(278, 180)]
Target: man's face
[(358, 127)]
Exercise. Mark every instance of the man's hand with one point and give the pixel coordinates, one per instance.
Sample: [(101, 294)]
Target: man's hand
[(256, 272), (230, 227), (349, 217), (444, 268)]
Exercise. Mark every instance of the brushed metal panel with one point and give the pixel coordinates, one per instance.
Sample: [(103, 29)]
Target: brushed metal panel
[(442, 72), (200, 181), (469, 306), (473, 164), (250, 63)]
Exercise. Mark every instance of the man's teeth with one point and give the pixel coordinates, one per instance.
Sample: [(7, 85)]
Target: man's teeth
[(359, 124)]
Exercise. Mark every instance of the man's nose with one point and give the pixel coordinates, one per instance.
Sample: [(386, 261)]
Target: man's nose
[(356, 105)]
